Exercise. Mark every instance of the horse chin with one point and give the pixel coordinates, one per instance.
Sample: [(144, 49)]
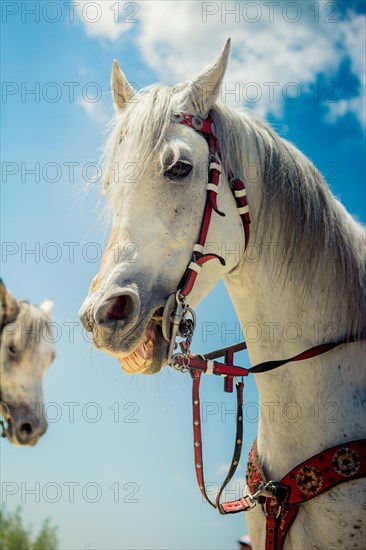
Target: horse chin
[(150, 353)]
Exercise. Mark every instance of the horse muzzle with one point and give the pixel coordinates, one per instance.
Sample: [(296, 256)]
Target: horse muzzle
[(24, 425), (123, 330)]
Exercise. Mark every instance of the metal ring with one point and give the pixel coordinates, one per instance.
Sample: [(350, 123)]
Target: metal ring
[(194, 317), (177, 117), (175, 363), (166, 321), (197, 123)]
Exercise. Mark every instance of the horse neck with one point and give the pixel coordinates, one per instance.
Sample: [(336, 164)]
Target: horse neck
[(305, 406)]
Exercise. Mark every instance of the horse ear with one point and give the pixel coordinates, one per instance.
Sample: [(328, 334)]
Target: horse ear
[(121, 89), (47, 307), (9, 307), (202, 92)]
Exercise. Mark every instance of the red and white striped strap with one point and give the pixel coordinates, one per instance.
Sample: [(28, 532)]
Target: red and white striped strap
[(206, 127)]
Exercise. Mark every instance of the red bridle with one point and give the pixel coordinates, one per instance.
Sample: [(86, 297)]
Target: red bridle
[(207, 129), (280, 509)]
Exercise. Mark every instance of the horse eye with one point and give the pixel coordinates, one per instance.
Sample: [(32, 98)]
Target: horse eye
[(12, 349), (179, 170)]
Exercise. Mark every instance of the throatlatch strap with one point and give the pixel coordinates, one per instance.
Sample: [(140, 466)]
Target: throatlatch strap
[(308, 354)]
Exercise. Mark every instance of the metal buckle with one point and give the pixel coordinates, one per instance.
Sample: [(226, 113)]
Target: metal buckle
[(183, 366), (166, 318), (267, 490), (271, 489), (175, 319), (251, 499), (177, 117), (178, 320), (197, 123)]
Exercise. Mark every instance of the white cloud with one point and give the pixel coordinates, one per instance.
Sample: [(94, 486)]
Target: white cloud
[(269, 52), (106, 18), (354, 40)]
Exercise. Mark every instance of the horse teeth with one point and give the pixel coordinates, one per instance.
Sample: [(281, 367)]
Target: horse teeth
[(126, 361), (139, 360), (141, 356)]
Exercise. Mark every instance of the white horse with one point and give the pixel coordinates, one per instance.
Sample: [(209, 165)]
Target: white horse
[(26, 351), (300, 282)]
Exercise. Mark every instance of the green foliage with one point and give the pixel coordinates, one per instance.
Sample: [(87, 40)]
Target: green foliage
[(14, 536)]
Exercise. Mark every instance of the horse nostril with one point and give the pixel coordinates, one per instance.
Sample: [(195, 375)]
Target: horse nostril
[(119, 310), (26, 428), (121, 307)]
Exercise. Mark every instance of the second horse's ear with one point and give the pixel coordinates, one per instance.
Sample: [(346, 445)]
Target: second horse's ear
[(202, 92), (9, 307), (122, 91), (47, 307)]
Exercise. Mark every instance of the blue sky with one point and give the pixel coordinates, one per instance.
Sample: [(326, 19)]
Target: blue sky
[(145, 451)]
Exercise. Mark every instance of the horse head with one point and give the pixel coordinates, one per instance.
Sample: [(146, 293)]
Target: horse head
[(26, 353), (155, 177)]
